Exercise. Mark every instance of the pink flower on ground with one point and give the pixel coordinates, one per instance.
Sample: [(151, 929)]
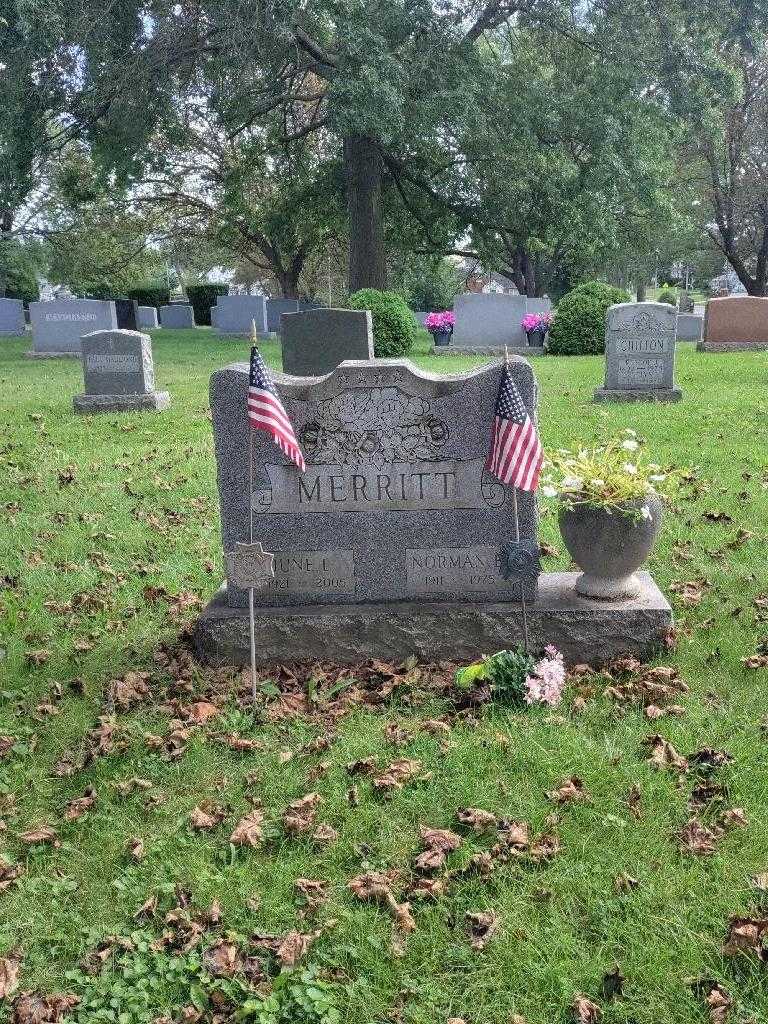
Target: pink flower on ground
[(546, 684)]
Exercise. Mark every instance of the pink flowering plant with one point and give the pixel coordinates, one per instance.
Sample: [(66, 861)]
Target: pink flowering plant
[(536, 321), (437, 322), (515, 677)]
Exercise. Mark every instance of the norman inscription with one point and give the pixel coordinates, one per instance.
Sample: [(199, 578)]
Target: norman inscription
[(313, 572), (454, 570)]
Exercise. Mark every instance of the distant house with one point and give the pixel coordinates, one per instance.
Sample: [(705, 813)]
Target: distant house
[(477, 279)]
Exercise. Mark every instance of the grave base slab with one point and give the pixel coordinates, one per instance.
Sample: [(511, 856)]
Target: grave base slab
[(489, 350), (51, 355), (87, 405), (652, 395), (585, 630), (732, 346)]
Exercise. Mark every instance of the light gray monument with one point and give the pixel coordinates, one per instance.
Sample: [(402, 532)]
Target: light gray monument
[(118, 373), (276, 308), (316, 341), (486, 322), (232, 315), (640, 353), (58, 326), (12, 318), (178, 315), (147, 318), (690, 326), (395, 540)]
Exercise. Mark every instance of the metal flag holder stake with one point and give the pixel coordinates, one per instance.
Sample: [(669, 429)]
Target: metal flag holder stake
[(249, 566), (526, 637)]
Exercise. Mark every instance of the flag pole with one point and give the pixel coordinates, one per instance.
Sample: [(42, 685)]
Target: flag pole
[(251, 610), (526, 639)]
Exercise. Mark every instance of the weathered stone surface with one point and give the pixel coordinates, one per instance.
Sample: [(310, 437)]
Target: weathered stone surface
[(146, 317), (488, 321), (315, 341), (640, 353), (91, 404), (58, 326), (736, 323), (117, 363), (584, 630), (394, 483), (690, 326), (127, 314), (12, 318), (177, 315), (233, 314), (276, 308)]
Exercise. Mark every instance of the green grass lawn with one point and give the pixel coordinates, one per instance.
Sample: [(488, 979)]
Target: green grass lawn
[(110, 546)]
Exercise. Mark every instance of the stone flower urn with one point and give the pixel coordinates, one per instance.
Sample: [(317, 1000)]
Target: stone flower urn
[(610, 546)]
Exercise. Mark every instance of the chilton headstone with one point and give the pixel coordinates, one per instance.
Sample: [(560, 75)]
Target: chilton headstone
[(233, 314), (178, 315), (640, 353), (316, 341), (119, 375), (736, 323), (58, 326), (395, 540), (12, 318)]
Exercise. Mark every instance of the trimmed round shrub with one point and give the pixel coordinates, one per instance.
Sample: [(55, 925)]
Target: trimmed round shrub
[(578, 328), (668, 296), (394, 326)]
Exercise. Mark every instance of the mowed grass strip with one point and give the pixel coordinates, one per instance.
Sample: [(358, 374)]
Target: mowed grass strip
[(111, 544)]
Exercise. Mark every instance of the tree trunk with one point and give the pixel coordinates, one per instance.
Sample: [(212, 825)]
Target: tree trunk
[(289, 284), (362, 172), (6, 229), (640, 284)]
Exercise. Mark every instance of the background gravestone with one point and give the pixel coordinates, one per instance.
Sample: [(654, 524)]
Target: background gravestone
[(178, 315), (488, 322), (735, 323), (395, 541), (640, 353), (58, 326), (118, 373), (316, 341), (233, 314), (12, 318), (276, 308), (127, 315), (146, 318), (690, 326)]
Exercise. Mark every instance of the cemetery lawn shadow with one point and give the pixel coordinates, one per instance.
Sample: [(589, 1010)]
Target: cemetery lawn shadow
[(110, 548)]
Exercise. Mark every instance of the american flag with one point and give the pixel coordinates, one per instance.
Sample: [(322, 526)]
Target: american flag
[(516, 456), (266, 412)]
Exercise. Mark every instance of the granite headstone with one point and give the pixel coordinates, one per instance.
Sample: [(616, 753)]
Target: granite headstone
[(12, 318), (118, 373), (736, 323), (275, 309), (178, 315), (640, 353), (127, 316), (233, 314), (146, 317), (58, 326), (488, 321), (316, 341), (690, 326)]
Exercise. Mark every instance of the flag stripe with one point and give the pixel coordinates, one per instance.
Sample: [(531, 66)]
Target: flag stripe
[(515, 456), (265, 411)]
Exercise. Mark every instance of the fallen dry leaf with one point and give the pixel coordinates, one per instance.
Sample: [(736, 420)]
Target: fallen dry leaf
[(248, 831), (80, 805), (747, 935), (135, 849), (32, 1008), (663, 754), (207, 815), (9, 974), (571, 791), (293, 946), (299, 816), (698, 839), (483, 925), (397, 774), (42, 834), (9, 873), (477, 819), (584, 1010), (438, 843)]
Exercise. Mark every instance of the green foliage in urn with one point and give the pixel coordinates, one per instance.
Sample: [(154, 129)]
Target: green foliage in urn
[(578, 328), (614, 476), (394, 329)]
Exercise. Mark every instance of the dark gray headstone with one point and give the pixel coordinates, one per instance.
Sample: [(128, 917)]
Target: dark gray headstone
[(146, 317), (127, 318), (395, 504), (640, 353), (12, 318), (233, 314), (276, 308), (118, 373), (316, 341), (690, 326), (178, 315), (58, 326)]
